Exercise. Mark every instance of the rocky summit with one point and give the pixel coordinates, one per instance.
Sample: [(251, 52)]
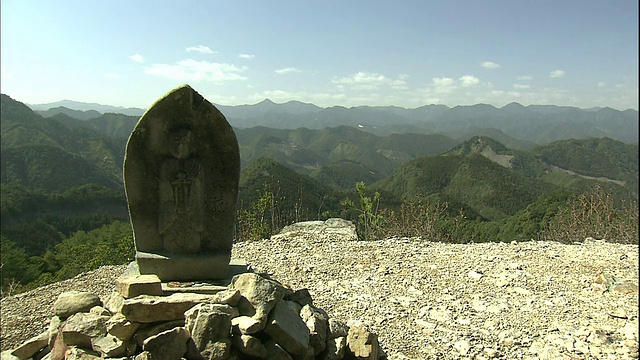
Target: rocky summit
[(414, 298)]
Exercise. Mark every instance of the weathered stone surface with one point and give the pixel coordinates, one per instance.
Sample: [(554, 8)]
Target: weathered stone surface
[(71, 302), (275, 351), (74, 353), (287, 328), (168, 345), (219, 350), (249, 345), (362, 344), (114, 302), (302, 297), (54, 329), (7, 355), (149, 330), (245, 325), (259, 295), (59, 349), (81, 327), (337, 328), (120, 327), (317, 321), (335, 349), (147, 309), (208, 325), (134, 285), (181, 173), (331, 229), (109, 346), (30, 347)]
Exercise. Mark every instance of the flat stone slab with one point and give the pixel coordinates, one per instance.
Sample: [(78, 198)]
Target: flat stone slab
[(184, 267), (208, 286), (134, 285)]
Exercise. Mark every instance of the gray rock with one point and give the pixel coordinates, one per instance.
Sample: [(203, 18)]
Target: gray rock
[(246, 325), (30, 347), (120, 327), (7, 355), (331, 229), (335, 349), (249, 345), (100, 311), (71, 302), (259, 295), (54, 329), (275, 351), (181, 174), (287, 328), (148, 309), (317, 321), (114, 302), (109, 346), (302, 297), (208, 325), (167, 345), (362, 344), (134, 285), (337, 328), (81, 327), (149, 330), (74, 353)]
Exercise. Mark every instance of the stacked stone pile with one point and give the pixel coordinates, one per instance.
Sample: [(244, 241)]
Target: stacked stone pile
[(254, 317)]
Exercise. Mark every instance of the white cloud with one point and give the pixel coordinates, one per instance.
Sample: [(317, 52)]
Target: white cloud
[(246, 56), (443, 84), (521, 86), (469, 80), (137, 58), (524, 77), (601, 84), (287, 70), (189, 70), (370, 81), (556, 74), (489, 65), (200, 49)]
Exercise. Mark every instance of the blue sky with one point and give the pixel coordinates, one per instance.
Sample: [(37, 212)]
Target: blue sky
[(580, 53)]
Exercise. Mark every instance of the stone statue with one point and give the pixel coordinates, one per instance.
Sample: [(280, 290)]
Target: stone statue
[(181, 174)]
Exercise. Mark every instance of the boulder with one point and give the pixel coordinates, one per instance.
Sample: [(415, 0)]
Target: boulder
[(167, 345), (109, 346), (287, 329), (71, 302), (362, 344), (208, 325), (81, 327), (120, 327), (32, 346), (249, 345), (259, 295)]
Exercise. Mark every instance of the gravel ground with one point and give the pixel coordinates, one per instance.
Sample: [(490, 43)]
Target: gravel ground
[(427, 300)]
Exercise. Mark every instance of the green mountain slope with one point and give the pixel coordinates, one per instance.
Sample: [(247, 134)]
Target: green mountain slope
[(297, 192)]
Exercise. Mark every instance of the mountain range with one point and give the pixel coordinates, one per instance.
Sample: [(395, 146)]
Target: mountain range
[(60, 174), (534, 124)]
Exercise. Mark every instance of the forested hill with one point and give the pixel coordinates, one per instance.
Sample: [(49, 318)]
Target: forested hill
[(61, 175)]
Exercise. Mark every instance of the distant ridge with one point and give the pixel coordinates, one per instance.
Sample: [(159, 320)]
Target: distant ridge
[(518, 126), (83, 106)]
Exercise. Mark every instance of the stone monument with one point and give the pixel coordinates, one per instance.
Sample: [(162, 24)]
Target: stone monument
[(181, 174)]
